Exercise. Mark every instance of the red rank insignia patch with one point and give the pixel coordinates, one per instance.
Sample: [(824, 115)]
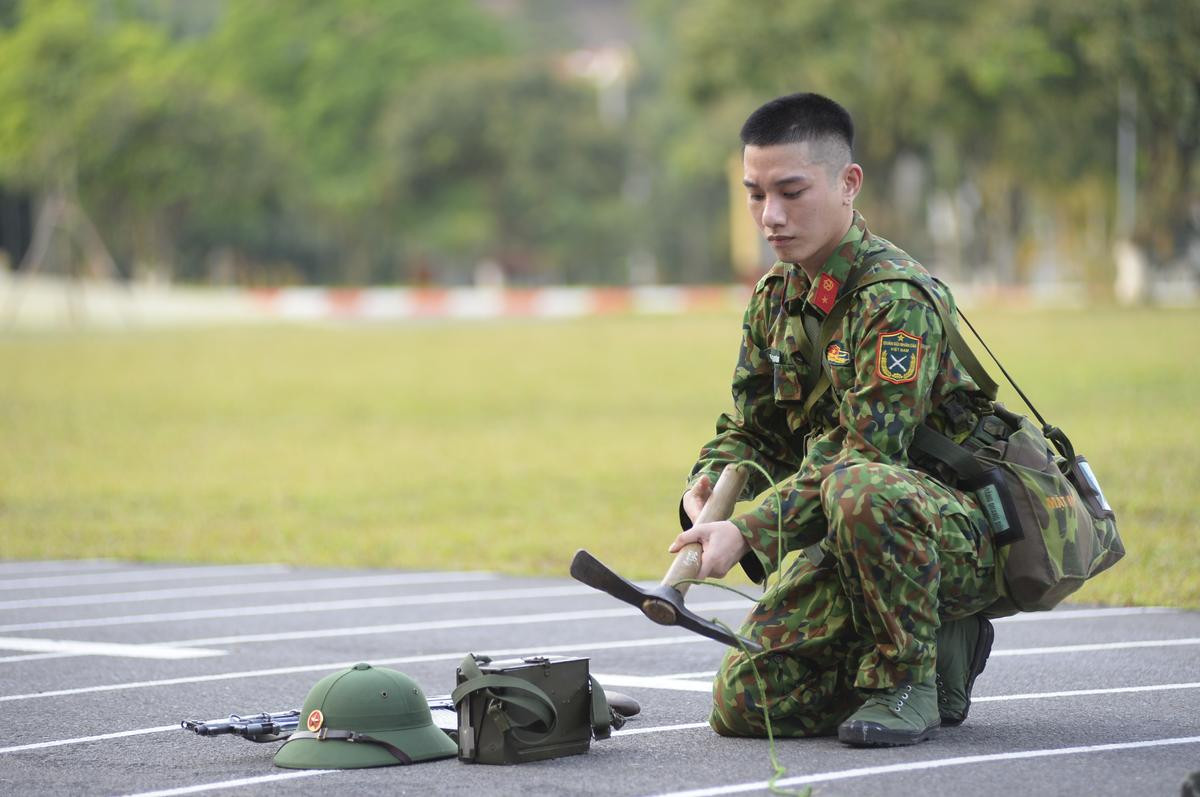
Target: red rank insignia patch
[(899, 357), (827, 292), (315, 720)]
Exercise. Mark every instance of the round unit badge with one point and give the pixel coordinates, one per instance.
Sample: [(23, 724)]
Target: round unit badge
[(315, 720)]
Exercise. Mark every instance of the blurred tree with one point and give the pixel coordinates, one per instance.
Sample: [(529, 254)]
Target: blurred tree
[(329, 141), (1010, 107), (504, 160), (325, 71), (101, 112), (1151, 48)]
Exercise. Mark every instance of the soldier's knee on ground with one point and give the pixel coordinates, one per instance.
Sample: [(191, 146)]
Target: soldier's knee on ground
[(731, 721), (736, 710), (803, 697)]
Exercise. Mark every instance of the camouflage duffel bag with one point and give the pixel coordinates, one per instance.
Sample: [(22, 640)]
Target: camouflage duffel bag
[(1054, 527)]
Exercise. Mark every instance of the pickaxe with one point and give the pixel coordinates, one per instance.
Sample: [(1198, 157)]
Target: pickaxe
[(664, 604)]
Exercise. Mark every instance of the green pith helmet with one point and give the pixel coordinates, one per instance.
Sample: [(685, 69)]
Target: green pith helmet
[(364, 717)]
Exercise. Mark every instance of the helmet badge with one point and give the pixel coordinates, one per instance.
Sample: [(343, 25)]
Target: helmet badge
[(315, 720)]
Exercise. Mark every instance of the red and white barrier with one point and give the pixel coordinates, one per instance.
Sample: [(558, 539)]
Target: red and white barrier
[(397, 304)]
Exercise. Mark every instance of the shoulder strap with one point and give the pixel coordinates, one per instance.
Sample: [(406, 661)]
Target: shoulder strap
[(957, 344)]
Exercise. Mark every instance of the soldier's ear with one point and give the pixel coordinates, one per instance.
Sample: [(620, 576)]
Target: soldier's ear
[(851, 182)]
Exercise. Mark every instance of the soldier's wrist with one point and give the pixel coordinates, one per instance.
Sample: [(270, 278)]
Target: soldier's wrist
[(755, 563)]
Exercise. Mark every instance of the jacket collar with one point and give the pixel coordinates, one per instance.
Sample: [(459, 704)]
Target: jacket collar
[(800, 292)]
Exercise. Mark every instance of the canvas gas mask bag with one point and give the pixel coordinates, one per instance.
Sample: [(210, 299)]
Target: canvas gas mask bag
[(528, 709)]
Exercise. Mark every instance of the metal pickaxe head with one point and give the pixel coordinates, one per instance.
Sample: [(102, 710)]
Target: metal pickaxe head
[(663, 604)]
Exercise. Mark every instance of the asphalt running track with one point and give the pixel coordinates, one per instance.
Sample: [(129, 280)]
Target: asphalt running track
[(99, 660)]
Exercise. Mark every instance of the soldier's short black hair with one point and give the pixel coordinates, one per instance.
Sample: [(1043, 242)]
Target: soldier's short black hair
[(799, 117)]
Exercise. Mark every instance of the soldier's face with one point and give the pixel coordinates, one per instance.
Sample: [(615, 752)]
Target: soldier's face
[(801, 204)]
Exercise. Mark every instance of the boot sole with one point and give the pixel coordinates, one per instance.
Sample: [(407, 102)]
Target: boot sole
[(983, 649), (870, 734)]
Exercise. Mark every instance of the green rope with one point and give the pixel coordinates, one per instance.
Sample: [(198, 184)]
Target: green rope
[(778, 770)]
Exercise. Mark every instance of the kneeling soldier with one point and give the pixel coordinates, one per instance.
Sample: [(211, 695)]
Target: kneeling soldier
[(876, 633)]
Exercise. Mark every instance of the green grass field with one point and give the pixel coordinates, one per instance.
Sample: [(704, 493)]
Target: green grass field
[(504, 446)]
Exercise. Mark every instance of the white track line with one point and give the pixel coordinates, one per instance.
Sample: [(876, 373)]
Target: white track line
[(440, 625), (312, 606), (687, 726), (66, 647), (516, 593), (132, 576), (824, 776), (1085, 614), (233, 784), (631, 731), (586, 646), (66, 565), (1146, 643), (652, 682), (552, 617), (937, 763), (1116, 690), (430, 625), (84, 739), (622, 644), (20, 748), (253, 588)]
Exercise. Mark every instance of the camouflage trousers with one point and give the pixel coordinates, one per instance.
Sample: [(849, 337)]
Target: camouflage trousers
[(902, 552)]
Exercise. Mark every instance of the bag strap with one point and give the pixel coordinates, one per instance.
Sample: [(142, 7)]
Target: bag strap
[(856, 283), (1052, 433), (601, 715), (514, 692), (820, 333), (926, 439), (535, 701)]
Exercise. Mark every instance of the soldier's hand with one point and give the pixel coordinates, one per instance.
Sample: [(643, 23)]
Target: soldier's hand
[(695, 498), (723, 545)]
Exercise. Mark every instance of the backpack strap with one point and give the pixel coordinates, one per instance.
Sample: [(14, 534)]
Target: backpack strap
[(855, 283)]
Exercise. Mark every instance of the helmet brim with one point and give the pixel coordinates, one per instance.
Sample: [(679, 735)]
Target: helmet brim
[(425, 743)]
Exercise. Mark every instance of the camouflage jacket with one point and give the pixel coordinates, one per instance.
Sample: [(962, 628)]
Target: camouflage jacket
[(890, 370)]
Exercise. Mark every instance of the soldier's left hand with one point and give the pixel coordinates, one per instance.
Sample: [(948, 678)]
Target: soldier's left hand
[(723, 545)]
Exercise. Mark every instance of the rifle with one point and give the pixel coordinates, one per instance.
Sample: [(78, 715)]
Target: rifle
[(278, 726), (265, 727)]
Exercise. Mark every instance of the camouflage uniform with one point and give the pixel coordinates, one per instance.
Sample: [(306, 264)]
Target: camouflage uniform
[(900, 547)]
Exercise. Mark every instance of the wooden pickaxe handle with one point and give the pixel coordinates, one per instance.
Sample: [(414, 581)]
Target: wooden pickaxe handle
[(719, 506)]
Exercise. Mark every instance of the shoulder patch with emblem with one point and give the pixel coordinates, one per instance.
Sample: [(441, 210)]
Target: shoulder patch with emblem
[(836, 354), (899, 356)]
